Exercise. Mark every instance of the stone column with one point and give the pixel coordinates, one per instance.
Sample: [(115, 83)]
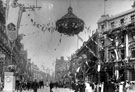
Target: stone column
[(127, 55)]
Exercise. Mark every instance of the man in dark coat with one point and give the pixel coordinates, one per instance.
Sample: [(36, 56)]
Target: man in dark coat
[(35, 86), (51, 86)]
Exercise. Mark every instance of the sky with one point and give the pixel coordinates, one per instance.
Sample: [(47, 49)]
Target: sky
[(42, 47)]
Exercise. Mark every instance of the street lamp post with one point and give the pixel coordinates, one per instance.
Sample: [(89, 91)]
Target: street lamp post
[(98, 72), (2, 60), (84, 57)]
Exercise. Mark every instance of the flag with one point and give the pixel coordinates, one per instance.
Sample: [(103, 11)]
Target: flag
[(12, 11), (78, 69), (34, 23), (98, 43), (108, 41), (19, 16), (117, 74), (7, 8), (86, 45), (32, 20), (13, 19), (80, 38), (116, 54), (99, 68), (37, 25)]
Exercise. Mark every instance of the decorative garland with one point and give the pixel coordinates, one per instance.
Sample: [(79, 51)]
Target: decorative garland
[(49, 26)]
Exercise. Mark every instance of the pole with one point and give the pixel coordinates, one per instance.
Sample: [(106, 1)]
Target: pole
[(36, 3), (11, 53), (99, 63), (84, 71), (127, 55), (104, 6), (77, 43)]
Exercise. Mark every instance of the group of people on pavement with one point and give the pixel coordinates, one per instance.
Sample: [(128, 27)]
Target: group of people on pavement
[(82, 86), (29, 85), (56, 85)]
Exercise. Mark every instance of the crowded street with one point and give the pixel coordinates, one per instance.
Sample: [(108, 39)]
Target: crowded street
[(67, 45)]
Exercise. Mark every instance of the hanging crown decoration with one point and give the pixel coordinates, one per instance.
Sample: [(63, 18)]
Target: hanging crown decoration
[(69, 24)]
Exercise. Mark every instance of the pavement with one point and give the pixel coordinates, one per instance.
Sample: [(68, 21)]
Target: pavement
[(47, 89), (62, 90)]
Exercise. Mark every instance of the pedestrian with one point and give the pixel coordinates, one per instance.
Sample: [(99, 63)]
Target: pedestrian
[(51, 86), (35, 86), (88, 87), (28, 85), (17, 85), (20, 85)]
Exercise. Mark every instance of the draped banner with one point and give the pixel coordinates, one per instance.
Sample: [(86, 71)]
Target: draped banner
[(117, 74), (13, 18)]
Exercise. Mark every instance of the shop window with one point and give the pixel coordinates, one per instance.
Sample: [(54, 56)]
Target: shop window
[(122, 21), (103, 27)]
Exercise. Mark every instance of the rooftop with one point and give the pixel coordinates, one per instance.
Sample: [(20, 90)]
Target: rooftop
[(107, 17)]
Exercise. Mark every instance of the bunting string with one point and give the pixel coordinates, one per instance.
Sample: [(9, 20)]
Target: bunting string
[(96, 43), (58, 42), (100, 46), (86, 46), (42, 27), (47, 27), (31, 33), (50, 27)]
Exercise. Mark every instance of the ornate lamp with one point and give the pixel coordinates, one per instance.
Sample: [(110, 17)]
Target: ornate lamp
[(69, 24)]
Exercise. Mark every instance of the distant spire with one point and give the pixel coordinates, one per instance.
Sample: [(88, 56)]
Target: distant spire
[(133, 6)]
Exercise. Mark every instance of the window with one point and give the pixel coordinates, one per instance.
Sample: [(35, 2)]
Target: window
[(122, 54), (112, 24), (122, 21), (102, 27), (122, 39), (132, 18)]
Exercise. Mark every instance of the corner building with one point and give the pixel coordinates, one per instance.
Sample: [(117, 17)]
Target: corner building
[(118, 40)]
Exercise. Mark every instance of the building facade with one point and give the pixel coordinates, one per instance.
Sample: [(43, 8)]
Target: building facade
[(90, 49), (36, 73), (15, 57), (114, 47), (61, 69), (118, 39)]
